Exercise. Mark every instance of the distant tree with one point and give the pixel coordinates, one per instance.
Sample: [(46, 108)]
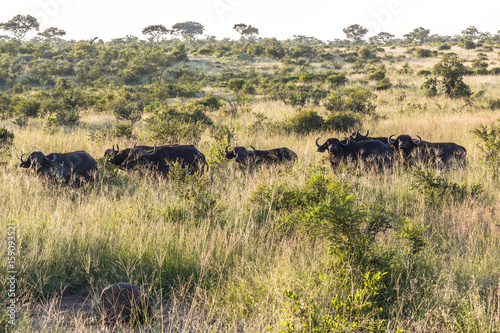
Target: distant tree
[(51, 33), (246, 31), (471, 33), (155, 31), (419, 35), (188, 30), (19, 25), (355, 32), (381, 38)]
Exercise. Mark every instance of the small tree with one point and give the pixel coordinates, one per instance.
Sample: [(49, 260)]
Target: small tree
[(155, 32), (188, 30), (355, 32), (381, 38), (51, 33), (452, 70), (19, 25)]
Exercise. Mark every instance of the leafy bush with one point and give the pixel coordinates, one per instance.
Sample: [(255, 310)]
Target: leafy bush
[(443, 47), (424, 72), (452, 70), (131, 112), (355, 99), (489, 143), (6, 137), (336, 79), (493, 103), (430, 87), (383, 84), (305, 121), (424, 53), (26, 107), (358, 312), (437, 190), (123, 129), (342, 122), (377, 75)]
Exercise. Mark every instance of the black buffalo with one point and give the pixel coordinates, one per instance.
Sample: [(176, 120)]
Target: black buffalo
[(433, 152), (160, 158), (75, 167), (117, 156), (244, 157), (357, 137), (372, 151)]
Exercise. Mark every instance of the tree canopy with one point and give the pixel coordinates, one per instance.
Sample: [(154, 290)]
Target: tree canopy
[(156, 31), (188, 30), (355, 32), (51, 33), (19, 25)]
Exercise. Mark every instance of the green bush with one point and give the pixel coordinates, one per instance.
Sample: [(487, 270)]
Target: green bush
[(355, 99), (493, 103), (377, 75), (424, 72), (452, 70), (424, 53), (383, 84), (489, 144), (26, 107), (304, 122), (438, 191), (358, 312), (6, 137), (123, 128), (342, 122)]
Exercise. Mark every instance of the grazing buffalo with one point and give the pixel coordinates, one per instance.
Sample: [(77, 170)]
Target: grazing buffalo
[(372, 151), (434, 152), (244, 157), (357, 137), (160, 158), (117, 156), (76, 167)]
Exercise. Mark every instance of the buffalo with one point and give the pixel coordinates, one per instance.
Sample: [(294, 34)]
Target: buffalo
[(244, 157), (75, 167), (117, 156), (356, 136), (372, 151), (160, 158), (433, 152)]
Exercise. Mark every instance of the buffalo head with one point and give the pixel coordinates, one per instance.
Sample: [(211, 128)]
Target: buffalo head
[(137, 155), (332, 145), (405, 143), (36, 160), (240, 154)]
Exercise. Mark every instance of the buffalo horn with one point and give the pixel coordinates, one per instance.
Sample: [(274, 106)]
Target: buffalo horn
[(117, 148), (419, 141), (390, 140), (22, 158), (152, 153), (52, 160), (347, 143), (318, 144), (253, 152), (227, 151), (366, 135)]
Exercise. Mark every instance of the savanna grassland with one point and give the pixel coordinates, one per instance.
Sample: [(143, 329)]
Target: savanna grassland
[(293, 247)]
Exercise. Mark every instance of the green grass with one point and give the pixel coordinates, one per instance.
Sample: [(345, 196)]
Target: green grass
[(218, 262)]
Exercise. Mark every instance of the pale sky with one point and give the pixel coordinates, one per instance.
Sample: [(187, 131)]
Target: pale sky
[(108, 19)]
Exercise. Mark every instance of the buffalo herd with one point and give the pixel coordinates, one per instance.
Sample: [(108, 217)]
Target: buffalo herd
[(79, 167)]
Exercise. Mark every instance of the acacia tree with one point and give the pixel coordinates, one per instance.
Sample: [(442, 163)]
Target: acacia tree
[(452, 70), (246, 31), (19, 25), (471, 33), (381, 38), (156, 31), (419, 35), (355, 32), (51, 33), (188, 30)]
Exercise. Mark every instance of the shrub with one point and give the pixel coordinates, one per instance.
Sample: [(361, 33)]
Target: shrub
[(467, 44), (358, 312), (131, 112), (342, 122), (437, 190), (489, 144), (452, 70), (383, 84), (493, 103), (430, 87), (356, 99), (6, 137), (336, 79), (305, 121), (424, 53), (424, 72), (377, 75), (68, 117), (123, 129), (443, 47), (27, 107)]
